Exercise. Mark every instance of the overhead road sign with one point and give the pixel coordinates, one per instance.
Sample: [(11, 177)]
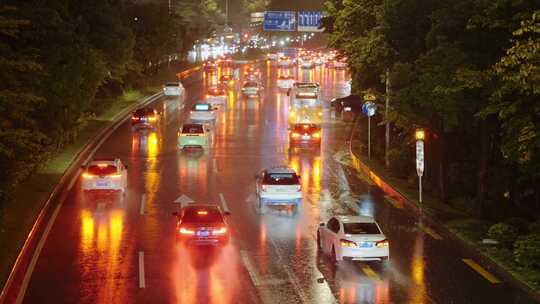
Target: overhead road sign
[(279, 21), (309, 21), (257, 17)]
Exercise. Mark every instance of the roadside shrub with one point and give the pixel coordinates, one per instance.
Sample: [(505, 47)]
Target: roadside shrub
[(400, 162), (519, 223), (504, 233), (534, 227), (527, 250)]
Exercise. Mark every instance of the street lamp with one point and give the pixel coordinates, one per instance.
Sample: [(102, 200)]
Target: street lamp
[(420, 136)]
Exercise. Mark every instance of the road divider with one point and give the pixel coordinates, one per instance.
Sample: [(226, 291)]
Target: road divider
[(224, 203), (142, 280), (143, 202)]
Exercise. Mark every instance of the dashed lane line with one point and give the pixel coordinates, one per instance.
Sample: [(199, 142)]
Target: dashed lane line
[(143, 202), (224, 203), (483, 272), (142, 281), (431, 233), (296, 284)]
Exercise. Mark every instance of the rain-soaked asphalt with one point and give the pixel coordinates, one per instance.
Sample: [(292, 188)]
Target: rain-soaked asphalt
[(108, 249)]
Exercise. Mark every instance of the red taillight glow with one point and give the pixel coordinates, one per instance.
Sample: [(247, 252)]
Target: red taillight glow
[(186, 231), (317, 135), (382, 244), (135, 118), (347, 243), (202, 212), (88, 175), (295, 135)]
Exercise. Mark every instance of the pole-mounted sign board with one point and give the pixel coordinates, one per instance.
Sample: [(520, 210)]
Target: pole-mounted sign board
[(420, 157), (279, 21), (369, 108)]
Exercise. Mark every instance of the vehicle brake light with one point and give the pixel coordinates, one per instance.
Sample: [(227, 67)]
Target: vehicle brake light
[(317, 135), (382, 244), (102, 165), (219, 231), (116, 175), (347, 243), (88, 175), (186, 231), (135, 118), (202, 212), (152, 118), (295, 135)]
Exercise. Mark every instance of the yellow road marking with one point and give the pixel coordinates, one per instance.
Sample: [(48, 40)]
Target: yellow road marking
[(488, 276), (432, 233), (393, 202), (370, 273)]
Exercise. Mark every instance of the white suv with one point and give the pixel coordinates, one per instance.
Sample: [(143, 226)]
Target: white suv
[(105, 175), (353, 238), (278, 186), (173, 89)]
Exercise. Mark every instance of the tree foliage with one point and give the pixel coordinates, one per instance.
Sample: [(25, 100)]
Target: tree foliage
[(468, 72)]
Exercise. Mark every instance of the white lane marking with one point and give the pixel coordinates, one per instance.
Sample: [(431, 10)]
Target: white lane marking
[(183, 200), (142, 282), (296, 284), (250, 268), (143, 202), (224, 203), (37, 252), (215, 166)]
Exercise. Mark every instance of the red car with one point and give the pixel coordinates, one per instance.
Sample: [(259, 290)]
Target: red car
[(202, 224)]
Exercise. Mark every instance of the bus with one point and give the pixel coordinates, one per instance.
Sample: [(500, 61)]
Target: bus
[(305, 103)]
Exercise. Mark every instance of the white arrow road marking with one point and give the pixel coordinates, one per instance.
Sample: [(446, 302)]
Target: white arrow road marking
[(142, 282), (224, 203), (184, 200), (143, 202)]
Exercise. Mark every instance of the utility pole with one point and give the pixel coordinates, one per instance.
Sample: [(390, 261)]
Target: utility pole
[(386, 109), (226, 12)]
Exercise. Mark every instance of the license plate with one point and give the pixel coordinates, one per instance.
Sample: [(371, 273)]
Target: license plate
[(203, 233), (366, 244), (102, 183), (306, 137), (347, 109)]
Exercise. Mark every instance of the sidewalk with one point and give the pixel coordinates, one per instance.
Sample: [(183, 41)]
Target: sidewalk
[(456, 224)]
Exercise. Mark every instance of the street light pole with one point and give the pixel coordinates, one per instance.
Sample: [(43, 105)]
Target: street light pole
[(420, 135), (387, 131), (226, 12), (369, 137)]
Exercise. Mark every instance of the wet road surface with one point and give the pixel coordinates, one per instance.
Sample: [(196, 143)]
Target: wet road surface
[(114, 249)]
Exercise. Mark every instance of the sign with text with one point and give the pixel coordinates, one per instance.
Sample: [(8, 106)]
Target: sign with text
[(279, 21), (420, 157), (309, 21)]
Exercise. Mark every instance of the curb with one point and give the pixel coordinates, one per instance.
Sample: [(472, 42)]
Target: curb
[(433, 221), (17, 276)]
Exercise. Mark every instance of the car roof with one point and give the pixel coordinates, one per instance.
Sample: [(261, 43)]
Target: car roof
[(280, 170), (172, 83), (355, 219)]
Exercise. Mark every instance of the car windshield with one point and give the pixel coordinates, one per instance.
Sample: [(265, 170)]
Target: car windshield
[(172, 84), (250, 84), (280, 179), (102, 169), (202, 215), (361, 228), (192, 129), (201, 107)]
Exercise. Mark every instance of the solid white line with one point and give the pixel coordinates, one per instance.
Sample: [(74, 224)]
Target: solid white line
[(296, 284), (30, 270), (250, 268), (143, 202), (224, 203), (142, 282)]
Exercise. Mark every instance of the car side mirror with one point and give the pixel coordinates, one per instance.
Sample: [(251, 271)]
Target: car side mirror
[(175, 213), (321, 225), (227, 213)]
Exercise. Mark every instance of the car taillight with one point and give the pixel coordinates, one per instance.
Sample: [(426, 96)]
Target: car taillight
[(219, 231), (317, 135), (186, 231), (295, 135), (88, 175), (115, 175), (264, 187), (135, 118), (152, 118), (347, 243), (382, 244)]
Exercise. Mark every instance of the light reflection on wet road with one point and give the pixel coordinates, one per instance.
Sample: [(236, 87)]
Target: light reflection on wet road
[(93, 253)]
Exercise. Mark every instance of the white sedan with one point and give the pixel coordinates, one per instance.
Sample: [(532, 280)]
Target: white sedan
[(173, 89), (202, 112), (216, 96), (285, 82), (278, 186), (105, 175), (353, 238)]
